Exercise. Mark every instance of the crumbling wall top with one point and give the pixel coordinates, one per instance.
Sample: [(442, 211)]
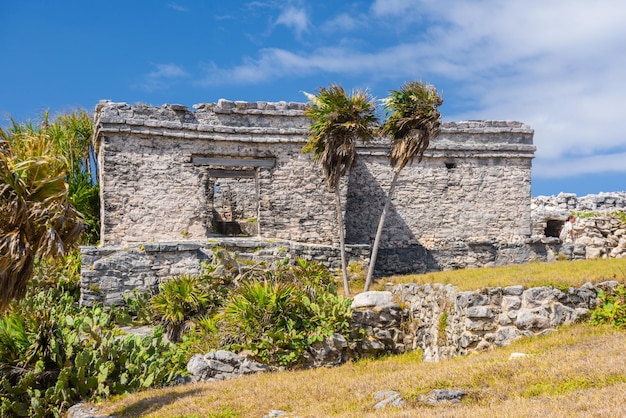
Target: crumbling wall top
[(285, 122)]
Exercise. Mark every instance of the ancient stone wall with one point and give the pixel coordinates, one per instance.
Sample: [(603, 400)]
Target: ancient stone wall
[(110, 272), (159, 166), (444, 322), (473, 185), (600, 227), (235, 168)]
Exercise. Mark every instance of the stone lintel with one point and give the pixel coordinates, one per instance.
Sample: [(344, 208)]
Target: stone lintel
[(234, 161)]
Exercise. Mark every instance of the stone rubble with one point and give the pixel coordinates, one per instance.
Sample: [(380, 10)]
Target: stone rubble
[(443, 396), (222, 365), (600, 227)]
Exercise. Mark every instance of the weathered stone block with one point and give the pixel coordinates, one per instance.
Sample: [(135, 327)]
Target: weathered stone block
[(529, 320)]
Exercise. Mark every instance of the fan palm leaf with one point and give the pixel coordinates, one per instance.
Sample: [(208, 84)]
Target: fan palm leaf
[(414, 119)]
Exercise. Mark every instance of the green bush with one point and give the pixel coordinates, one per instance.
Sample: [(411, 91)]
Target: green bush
[(281, 312), (54, 353), (178, 300), (183, 299), (612, 309)]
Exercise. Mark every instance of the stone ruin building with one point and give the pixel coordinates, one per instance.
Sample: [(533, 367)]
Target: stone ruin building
[(176, 183)]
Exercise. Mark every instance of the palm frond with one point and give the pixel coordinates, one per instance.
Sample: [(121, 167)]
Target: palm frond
[(35, 215), (414, 120), (338, 121)]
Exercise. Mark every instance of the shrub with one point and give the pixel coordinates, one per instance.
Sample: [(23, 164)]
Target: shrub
[(612, 309), (184, 299), (282, 311), (178, 300)]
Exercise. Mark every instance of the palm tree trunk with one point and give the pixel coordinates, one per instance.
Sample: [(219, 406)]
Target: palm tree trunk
[(342, 244), (379, 232)]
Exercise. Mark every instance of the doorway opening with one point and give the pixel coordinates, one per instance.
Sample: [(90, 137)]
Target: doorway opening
[(553, 228)]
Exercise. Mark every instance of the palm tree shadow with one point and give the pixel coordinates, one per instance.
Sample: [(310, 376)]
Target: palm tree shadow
[(400, 251), (151, 404)]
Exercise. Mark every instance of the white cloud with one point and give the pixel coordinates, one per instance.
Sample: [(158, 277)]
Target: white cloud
[(609, 163), (343, 23), (295, 18), (163, 77), (178, 7)]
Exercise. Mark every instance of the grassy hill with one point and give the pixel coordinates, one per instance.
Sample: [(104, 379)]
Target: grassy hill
[(577, 371)]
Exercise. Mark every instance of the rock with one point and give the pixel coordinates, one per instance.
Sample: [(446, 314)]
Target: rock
[(479, 312), (470, 299), (330, 352), (388, 398), (506, 335), (539, 296), (376, 300), (198, 367), (249, 367), (516, 356), (443, 395), (221, 365), (81, 410), (528, 320), (225, 356)]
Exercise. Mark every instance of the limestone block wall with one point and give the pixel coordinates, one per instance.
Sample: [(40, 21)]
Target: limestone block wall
[(473, 185), (156, 165), (457, 208), (108, 273), (444, 322)]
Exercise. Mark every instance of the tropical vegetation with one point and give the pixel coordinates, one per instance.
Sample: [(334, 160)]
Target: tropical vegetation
[(54, 353), (48, 196), (339, 120), (36, 218)]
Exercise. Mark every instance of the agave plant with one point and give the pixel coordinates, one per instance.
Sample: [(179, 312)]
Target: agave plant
[(36, 218)]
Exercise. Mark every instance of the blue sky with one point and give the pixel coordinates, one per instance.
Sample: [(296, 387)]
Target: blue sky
[(557, 65)]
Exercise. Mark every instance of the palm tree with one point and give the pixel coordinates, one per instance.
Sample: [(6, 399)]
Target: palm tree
[(36, 218), (414, 120), (338, 121), (71, 135)]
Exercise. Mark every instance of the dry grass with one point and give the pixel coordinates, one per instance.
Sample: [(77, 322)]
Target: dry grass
[(577, 371), (557, 274)]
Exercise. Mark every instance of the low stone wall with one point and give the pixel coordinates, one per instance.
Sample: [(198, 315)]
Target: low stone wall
[(438, 319), (458, 254), (109, 272), (444, 322)]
